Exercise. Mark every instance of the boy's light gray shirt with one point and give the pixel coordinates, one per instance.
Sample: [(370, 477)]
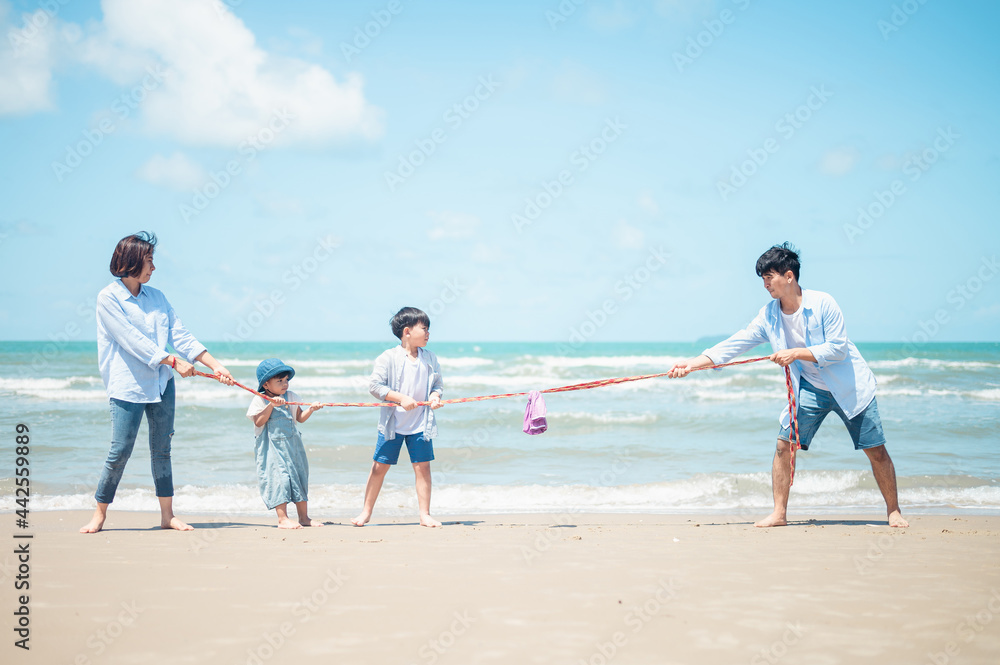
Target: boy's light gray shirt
[(388, 375)]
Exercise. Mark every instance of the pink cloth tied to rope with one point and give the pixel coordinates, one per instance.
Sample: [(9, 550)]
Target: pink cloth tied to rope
[(534, 414)]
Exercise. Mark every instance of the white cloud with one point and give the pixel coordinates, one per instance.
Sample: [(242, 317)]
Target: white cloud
[(483, 253), (122, 63), (627, 236), (21, 228), (683, 8), (306, 41), (987, 313), (840, 161), (280, 206), (648, 203), (610, 18), (575, 83), (27, 56), (221, 86), (175, 172), (888, 162), (452, 225)]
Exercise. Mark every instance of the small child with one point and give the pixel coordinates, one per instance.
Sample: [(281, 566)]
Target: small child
[(282, 468), (405, 374)]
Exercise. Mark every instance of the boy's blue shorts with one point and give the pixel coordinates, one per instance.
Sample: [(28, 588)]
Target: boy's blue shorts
[(813, 406), (419, 448)]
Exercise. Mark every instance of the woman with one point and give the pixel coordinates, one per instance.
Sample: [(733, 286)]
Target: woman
[(135, 323)]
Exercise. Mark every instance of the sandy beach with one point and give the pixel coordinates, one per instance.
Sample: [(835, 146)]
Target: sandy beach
[(521, 588)]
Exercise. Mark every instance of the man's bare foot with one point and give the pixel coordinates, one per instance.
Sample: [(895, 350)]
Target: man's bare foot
[(774, 519), (310, 522), (896, 520), (288, 523), (95, 524), (361, 519), (427, 520), (175, 523)]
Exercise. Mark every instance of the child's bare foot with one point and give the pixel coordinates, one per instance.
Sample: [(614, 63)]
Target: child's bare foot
[(774, 519), (427, 520), (310, 522), (95, 524), (175, 523), (361, 519), (288, 523), (896, 520)]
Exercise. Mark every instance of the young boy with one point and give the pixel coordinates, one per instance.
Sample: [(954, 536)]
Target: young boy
[(806, 331), (405, 374)]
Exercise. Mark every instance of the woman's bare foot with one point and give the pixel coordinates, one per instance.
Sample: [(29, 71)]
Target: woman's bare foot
[(96, 522), (167, 518), (361, 519), (896, 520), (427, 520), (288, 523), (175, 523), (774, 519), (307, 521)]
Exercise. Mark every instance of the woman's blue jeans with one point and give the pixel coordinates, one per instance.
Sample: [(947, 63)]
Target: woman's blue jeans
[(125, 419)]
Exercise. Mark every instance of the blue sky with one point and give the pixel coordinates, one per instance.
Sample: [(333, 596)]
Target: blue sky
[(521, 170)]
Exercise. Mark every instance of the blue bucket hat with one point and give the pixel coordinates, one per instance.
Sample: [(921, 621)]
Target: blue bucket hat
[(269, 369)]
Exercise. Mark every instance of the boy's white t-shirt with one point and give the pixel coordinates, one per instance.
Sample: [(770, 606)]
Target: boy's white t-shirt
[(258, 404), (416, 374), (795, 333)]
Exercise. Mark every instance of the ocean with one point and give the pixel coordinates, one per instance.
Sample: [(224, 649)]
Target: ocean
[(702, 444)]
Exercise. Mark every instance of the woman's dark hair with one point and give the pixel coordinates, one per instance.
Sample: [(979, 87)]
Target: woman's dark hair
[(131, 253), (407, 318), (780, 259)]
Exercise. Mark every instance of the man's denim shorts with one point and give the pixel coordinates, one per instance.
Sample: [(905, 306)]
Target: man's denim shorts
[(814, 405), (419, 448)]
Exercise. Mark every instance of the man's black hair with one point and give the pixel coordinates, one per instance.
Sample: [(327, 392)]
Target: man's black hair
[(407, 318), (780, 259)]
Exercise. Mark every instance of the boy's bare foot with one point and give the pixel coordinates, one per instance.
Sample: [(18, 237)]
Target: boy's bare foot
[(175, 523), (288, 523), (896, 520), (427, 520), (310, 522), (361, 519), (774, 519), (95, 524)]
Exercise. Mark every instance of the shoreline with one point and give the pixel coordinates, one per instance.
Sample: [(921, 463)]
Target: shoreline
[(591, 588), (802, 515)]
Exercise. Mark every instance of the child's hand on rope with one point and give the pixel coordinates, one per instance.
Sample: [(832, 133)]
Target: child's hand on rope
[(679, 370)]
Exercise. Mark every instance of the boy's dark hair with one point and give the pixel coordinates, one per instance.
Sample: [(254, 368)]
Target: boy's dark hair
[(131, 253), (407, 318), (780, 259)]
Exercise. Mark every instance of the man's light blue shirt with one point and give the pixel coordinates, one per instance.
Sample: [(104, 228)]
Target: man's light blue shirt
[(132, 336), (845, 372)]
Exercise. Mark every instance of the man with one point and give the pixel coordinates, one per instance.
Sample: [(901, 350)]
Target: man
[(806, 331)]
